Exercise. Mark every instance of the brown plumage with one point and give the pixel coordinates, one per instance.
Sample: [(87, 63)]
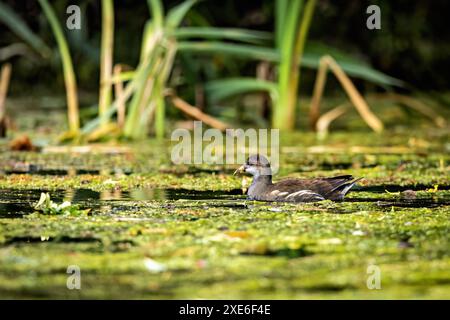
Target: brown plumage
[(292, 190)]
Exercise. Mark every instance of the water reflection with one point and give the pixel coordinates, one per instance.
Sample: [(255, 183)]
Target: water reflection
[(16, 203)]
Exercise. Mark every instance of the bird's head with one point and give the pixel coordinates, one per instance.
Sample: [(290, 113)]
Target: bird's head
[(256, 165)]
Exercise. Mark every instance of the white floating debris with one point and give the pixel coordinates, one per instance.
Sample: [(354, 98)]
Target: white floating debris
[(358, 233), (110, 182), (334, 241), (154, 266)]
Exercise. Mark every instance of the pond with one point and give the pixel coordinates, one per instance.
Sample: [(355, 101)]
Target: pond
[(155, 230)]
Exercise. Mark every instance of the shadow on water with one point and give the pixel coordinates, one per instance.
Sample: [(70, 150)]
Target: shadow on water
[(397, 188), (403, 203), (400, 202)]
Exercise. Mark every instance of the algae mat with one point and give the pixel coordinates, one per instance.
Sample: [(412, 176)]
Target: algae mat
[(156, 230)]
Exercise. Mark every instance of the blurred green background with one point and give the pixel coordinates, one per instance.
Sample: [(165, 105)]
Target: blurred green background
[(413, 44)]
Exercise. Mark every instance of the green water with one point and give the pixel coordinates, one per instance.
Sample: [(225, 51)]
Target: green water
[(212, 242)]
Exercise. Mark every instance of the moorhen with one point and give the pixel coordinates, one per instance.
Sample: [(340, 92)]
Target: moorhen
[(292, 190)]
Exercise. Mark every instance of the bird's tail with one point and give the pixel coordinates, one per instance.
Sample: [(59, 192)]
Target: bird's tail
[(339, 192)]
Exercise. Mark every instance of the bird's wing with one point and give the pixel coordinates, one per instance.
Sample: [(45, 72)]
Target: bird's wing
[(293, 193), (329, 188), (320, 185)]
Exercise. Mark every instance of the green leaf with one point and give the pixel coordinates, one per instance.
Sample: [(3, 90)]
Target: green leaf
[(68, 71), (212, 33), (157, 12), (353, 66), (48, 207), (123, 76), (224, 88), (280, 18), (147, 36), (20, 28), (177, 13), (284, 113), (241, 50)]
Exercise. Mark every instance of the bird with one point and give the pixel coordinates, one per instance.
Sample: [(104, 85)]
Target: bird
[(292, 190)]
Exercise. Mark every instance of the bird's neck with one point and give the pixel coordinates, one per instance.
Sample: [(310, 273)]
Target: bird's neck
[(262, 179), (258, 186)]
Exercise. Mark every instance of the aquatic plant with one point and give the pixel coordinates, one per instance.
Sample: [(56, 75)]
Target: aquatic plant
[(46, 206), (163, 37), (69, 74), (146, 84), (17, 25), (106, 57), (292, 22), (142, 100)]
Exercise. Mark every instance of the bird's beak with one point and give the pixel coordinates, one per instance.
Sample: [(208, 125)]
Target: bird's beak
[(239, 170)]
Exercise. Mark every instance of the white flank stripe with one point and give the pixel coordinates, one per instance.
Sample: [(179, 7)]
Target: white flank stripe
[(299, 193)]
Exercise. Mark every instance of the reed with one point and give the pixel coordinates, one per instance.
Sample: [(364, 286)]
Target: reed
[(143, 95), (106, 58), (69, 74)]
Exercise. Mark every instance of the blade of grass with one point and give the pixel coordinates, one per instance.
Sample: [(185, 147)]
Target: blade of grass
[(133, 114), (310, 59), (160, 106), (283, 115), (211, 33), (294, 77), (5, 75), (224, 88), (106, 57), (150, 61), (240, 50), (118, 93), (131, 88), (122, 77), (355, 68), (69, 74), (21, 29), (176, 15), (128, 92), (156, 12), (280, 18)]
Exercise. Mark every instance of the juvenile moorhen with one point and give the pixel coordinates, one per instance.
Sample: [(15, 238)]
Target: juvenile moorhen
[(292, 190)]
